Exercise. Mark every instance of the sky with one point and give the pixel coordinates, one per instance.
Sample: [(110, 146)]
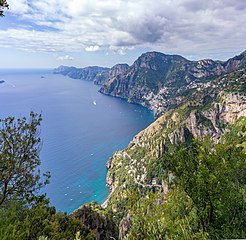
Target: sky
[(49, 33)]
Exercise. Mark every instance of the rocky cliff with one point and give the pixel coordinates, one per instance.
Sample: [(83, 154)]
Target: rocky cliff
[(180, 125), (93, 73), (158, 81)]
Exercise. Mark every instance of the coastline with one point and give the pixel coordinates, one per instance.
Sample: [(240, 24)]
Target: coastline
[(153, 118), (105, 203)]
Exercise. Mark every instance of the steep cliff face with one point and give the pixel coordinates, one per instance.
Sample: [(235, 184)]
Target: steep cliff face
[(148, 73), (158, 81), (236, 62), (118, 69), (229, 110), (188, 121), (93, 73)]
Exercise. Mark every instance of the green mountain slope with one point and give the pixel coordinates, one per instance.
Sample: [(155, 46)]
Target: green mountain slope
[(138, 176)]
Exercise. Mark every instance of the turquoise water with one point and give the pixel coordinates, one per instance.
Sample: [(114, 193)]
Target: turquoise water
[(81, 129)]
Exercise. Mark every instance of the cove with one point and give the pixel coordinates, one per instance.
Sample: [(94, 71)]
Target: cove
[(81, 129)]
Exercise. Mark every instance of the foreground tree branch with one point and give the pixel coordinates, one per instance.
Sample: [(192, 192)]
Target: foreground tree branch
[(20, 176), (3, 4)]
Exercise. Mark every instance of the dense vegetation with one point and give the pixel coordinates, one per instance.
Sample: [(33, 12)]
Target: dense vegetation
[(38, 220), (19, 221), (206, 197)]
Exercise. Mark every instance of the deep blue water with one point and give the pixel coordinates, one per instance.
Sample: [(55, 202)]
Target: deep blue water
[(78, 135)]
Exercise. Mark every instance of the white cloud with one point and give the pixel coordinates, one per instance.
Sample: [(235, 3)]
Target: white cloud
[(122, 51), (187, 27), (94, 48), (66, 57), (18, 6)]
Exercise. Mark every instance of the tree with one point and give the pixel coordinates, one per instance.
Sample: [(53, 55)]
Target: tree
[(3, 4), (213, 176), (20, 176), (39, 221)]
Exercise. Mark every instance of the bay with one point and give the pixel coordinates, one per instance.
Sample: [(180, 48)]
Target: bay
[(81, 129)]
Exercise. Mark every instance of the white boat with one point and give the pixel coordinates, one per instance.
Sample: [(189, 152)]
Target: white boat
[(94, 102)]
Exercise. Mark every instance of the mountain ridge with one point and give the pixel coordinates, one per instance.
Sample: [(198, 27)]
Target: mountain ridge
[(154, 78), (98, 75), (91, 73)]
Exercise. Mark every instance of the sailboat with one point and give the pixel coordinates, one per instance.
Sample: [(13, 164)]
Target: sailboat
[(94, 102)]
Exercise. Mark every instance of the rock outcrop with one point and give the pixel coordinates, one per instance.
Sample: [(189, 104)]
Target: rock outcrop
[(124, 226)]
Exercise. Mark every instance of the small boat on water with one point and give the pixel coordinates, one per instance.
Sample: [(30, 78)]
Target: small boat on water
[(94, 102)]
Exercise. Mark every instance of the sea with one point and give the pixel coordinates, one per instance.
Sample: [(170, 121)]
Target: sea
[(80, 130)]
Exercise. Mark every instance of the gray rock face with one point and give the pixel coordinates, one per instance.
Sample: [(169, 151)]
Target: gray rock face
[(146, 74), (235, 63), (124, 226), (229, 110), (118, 69)]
